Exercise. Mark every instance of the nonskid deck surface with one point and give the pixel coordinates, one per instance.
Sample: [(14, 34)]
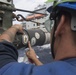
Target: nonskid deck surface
[(44, 54)]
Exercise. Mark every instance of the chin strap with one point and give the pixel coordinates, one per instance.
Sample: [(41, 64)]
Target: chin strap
[(53, 39)]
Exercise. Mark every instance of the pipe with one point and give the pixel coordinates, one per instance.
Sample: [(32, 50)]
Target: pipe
[(37, 37)]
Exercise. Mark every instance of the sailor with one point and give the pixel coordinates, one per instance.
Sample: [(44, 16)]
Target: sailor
[(63, 45)]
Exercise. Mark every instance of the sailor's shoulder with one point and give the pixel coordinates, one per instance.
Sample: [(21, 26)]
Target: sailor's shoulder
[(16, 68)]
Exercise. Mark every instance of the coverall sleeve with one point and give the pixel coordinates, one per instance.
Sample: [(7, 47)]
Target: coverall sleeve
[(8, 53)]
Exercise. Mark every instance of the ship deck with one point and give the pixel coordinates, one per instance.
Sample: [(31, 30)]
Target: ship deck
[(44, 54)]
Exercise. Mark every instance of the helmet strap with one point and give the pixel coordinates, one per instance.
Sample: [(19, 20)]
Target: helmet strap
[(53, 40)]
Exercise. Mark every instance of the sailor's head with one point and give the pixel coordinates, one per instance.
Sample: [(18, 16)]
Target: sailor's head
[(63, 26)]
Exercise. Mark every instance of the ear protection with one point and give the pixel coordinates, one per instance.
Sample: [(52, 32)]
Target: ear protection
[(73, 22)]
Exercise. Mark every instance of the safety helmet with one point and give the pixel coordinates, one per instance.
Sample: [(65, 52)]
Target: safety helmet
[(67, 4), (71, 4), (63, 4)]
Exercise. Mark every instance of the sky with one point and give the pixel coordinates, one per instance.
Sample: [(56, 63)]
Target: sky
[(27, 5)]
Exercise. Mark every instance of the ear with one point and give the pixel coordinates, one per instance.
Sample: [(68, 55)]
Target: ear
[(60, 27)]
